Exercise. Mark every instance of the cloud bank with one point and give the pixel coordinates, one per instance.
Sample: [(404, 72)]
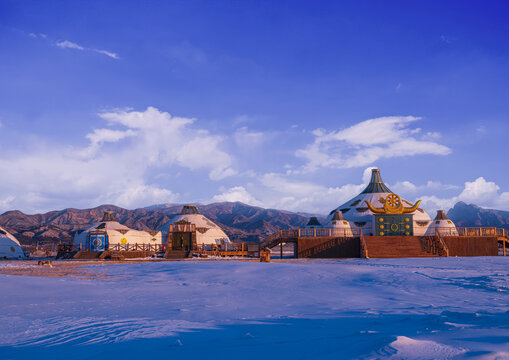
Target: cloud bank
[(115, 166), (366, 142)]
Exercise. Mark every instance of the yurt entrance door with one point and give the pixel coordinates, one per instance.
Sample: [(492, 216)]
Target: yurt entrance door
[(97, 242), (182, 241)]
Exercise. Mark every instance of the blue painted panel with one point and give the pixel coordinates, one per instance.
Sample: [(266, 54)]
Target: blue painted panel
[(97, 242)]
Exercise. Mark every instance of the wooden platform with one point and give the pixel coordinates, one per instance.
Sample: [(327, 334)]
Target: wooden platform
[(401, 246), (472, 246), (328, 247), (106, 255), (467, 242)]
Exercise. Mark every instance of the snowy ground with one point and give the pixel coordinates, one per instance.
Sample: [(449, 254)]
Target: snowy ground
[(434, 308)]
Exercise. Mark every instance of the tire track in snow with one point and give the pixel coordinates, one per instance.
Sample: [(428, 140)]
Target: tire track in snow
[(58, 331)]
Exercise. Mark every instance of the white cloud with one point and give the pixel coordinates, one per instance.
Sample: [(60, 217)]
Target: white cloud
[(107, 53), (479, 192), (409, 187), (101, 136), (248, 139), (6, 203), (167, 140), (65, 44), (237, 193), (115, 166), (140, 194), (283, 193), (366, 142)]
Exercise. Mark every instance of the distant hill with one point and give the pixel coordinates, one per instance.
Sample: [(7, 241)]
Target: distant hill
[(470, 215), (240, 221)]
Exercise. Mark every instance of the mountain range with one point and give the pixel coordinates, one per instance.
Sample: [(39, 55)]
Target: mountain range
[(470, 215), (241, 222)]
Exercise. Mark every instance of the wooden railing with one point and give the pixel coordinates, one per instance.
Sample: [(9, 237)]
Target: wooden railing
[(474, 231), (136, 247), (328, 232), (226, 249)]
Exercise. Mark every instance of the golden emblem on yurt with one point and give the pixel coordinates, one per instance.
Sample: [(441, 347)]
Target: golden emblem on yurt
[(393, 205)]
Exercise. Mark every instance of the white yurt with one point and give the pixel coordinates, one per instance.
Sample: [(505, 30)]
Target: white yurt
[(443, 225), (207, 232), (357, 213), (108, 232), (9, 246), (340, 226)]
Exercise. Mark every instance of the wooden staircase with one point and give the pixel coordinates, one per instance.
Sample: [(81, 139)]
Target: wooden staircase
[(403, 246), (177, 254), (88, 255)]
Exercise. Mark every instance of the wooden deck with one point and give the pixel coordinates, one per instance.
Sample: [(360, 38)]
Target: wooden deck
[(325, 243)]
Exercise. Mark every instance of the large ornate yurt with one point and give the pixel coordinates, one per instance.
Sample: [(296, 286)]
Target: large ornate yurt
[(378, 211), (378, 223), (108, 232), (9, 246), (190, 228)]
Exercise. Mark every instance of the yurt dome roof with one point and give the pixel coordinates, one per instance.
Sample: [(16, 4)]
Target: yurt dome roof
[(355, 210), (338, 221), (207, 232), (108, 222), (10, 247), (442, 223), (5, 234), (313, 222)]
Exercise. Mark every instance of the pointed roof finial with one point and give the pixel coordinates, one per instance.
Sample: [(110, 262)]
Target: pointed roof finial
[(441, 215), (376, 184), (108, 216), (338, 215), (313, 221), (189, 209)]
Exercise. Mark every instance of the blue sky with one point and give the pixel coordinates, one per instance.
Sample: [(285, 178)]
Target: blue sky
[(282, 104)]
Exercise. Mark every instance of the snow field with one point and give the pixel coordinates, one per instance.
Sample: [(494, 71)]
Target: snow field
[(429, 308)]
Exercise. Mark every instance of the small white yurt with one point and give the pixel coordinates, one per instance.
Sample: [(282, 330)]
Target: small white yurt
[(9, 246), (108, 232), (443, 225), (340, 226), (207, 232)]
